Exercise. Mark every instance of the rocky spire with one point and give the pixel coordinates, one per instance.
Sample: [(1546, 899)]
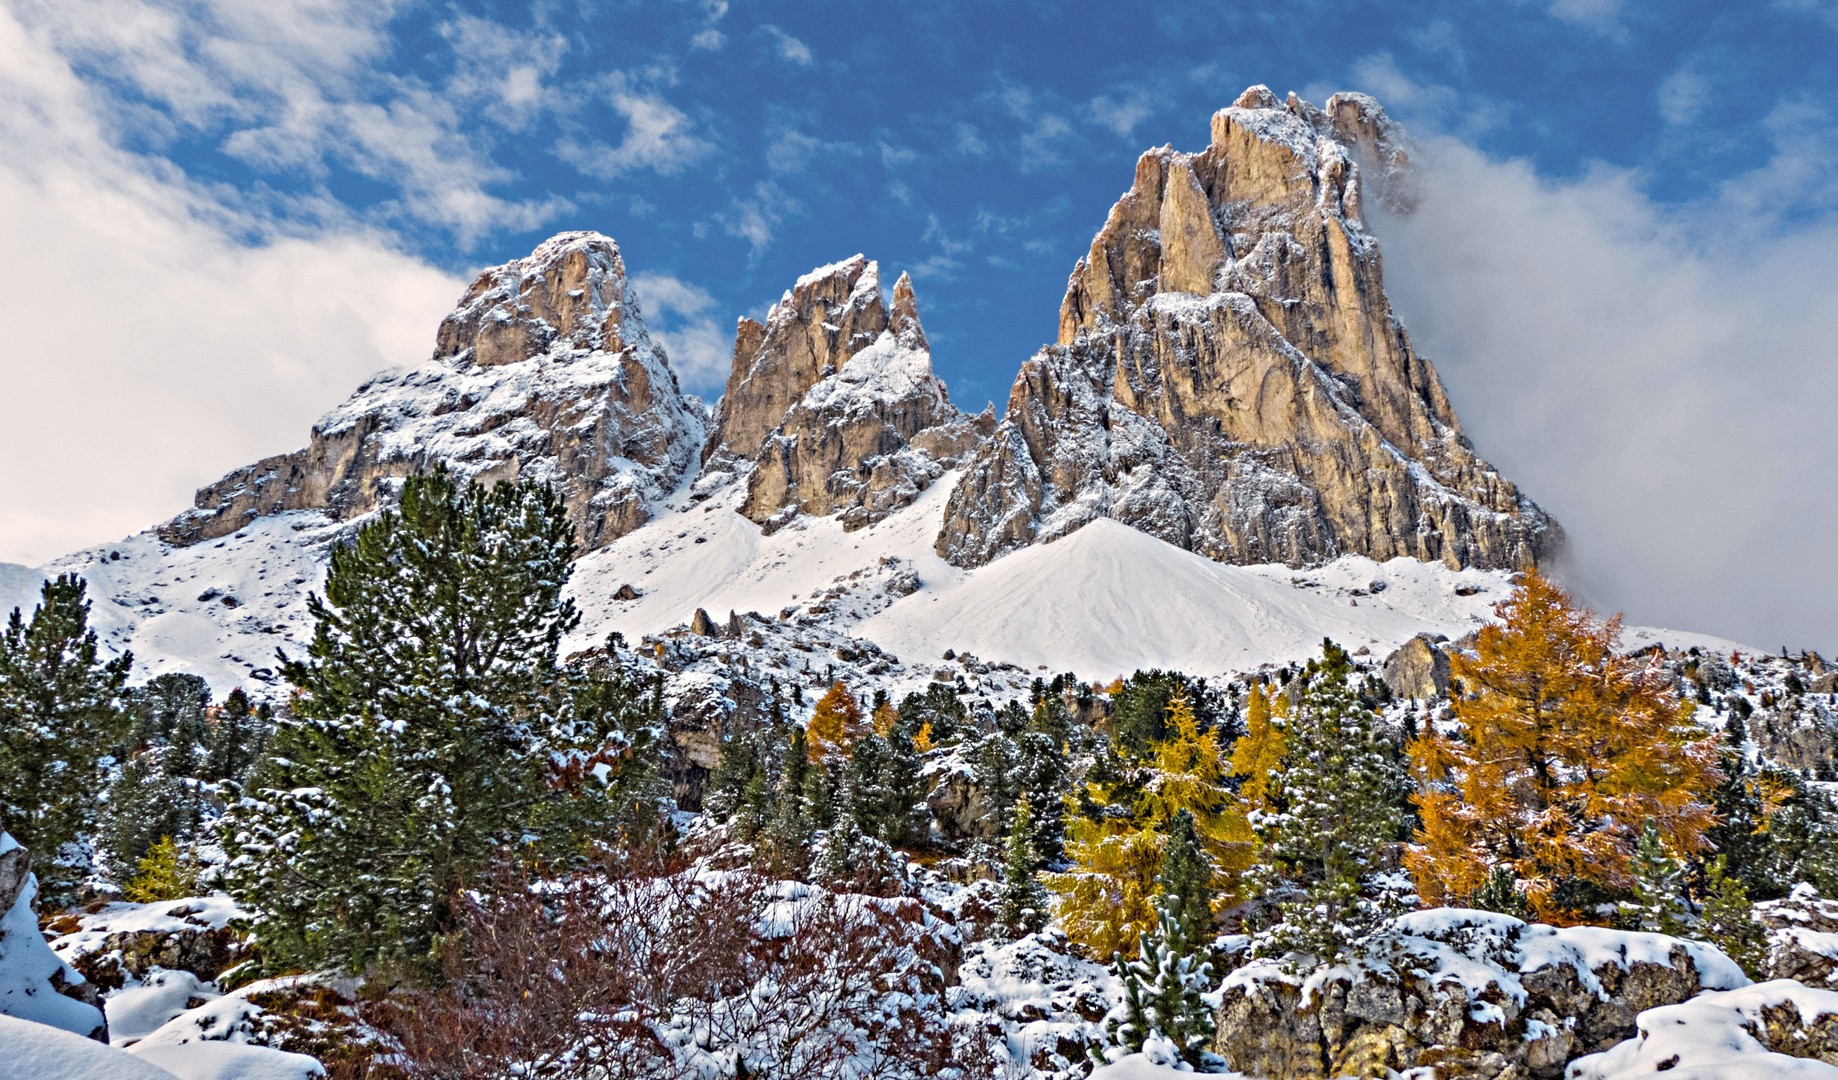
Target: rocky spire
[(866, 436), (544, 370), (1230, 377), (905, 320), (831, 314)]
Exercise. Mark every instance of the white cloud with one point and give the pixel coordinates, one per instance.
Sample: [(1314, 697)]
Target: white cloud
[(149, 347), (1122, 113), (1658, 376), (659, 136), (684, 317), (709, 37), (1598, 16), (788, 48), (1682, 95), (756, 217), (296, 87)]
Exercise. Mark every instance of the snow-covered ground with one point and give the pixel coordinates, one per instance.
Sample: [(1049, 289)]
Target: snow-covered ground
[(1104, 601)]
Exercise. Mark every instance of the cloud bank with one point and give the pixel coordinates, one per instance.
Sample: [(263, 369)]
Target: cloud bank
[(1660, 377), (157, 336)]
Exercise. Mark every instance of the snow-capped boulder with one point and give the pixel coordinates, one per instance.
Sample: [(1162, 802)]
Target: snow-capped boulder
[(1770, 1031), (30, 1051), (35, 984), (867, 438), (1802, 936), (1229, 375), (1472, 993), (544, 371)]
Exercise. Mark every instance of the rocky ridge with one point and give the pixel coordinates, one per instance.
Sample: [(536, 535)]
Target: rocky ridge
[(1230, 378), (833, 407), (545, 370)]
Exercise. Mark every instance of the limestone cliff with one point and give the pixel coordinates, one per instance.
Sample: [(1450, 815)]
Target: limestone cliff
[(855, 422), (544, 370), (1230, 377)]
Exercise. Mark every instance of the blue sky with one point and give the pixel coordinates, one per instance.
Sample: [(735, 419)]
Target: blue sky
[(222, 215)]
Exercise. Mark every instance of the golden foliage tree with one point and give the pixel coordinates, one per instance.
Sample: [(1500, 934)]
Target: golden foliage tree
[(1566, 747), (1105, 899), (835, 725), (1260, 749)]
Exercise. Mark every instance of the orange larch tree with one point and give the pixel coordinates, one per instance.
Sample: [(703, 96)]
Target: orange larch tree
[(1565, 748), (835, 725)]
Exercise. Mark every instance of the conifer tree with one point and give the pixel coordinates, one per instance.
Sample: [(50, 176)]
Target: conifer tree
[(792, 826), (60, 717), (1331, 817), (1658, 902), (1728, 920), (835, 725), (432, 730), (1566, 744), (1260, 750), (1117, 841), (1186, 880), (1161, 992), (1024, 902)]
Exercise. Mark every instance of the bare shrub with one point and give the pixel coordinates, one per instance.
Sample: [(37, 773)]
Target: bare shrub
[(647, 969)]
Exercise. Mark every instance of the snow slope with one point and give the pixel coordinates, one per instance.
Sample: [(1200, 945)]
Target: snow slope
[(19, 586), (1108, 599), (1102, 601)]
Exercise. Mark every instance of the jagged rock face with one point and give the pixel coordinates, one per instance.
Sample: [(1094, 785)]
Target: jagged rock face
[(831, 314), (544, 371), (865, 438), (1229, 375)]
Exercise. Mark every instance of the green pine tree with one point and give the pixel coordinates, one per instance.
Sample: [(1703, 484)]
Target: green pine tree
[(1186, 879), (1728, 921), (1335, 810), (1658, 903), (1024, 901), (1161, 993), (432, 730), (60, 717)]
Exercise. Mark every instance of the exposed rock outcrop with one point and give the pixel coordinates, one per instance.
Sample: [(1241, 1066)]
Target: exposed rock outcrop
[(544, 371), (1417, 669), (1469, 993), (831, 314), (1802, 937), (855, 422), (35, 983), (1229, 375)]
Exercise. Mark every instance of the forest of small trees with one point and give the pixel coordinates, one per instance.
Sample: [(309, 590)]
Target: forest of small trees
[(482, 828)]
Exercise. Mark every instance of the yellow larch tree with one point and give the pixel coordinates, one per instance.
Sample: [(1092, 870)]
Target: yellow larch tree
[(1105, 899), (1260, 749), (835, 725), (1567, 746)]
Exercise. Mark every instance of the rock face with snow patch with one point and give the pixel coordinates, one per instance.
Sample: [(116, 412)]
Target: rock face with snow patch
[(1465, 994), (35, 983), (544, 371), (870, 433), (1230, 378), (831, 314)]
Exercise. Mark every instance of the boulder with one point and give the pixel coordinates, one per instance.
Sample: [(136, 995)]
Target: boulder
[(1469, 993), (35, 983), (1802, 937), (1417, 669)]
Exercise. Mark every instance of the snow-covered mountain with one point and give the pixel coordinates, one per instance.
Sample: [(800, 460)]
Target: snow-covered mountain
[(1231, 453)]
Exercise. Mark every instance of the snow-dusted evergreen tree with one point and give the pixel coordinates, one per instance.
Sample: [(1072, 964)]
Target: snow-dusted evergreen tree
[(1024, 902), (1728, 920), (60, 718), (1332, 814), (432, 730), (1658, 902), (1161, 993), (1187, 880)]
